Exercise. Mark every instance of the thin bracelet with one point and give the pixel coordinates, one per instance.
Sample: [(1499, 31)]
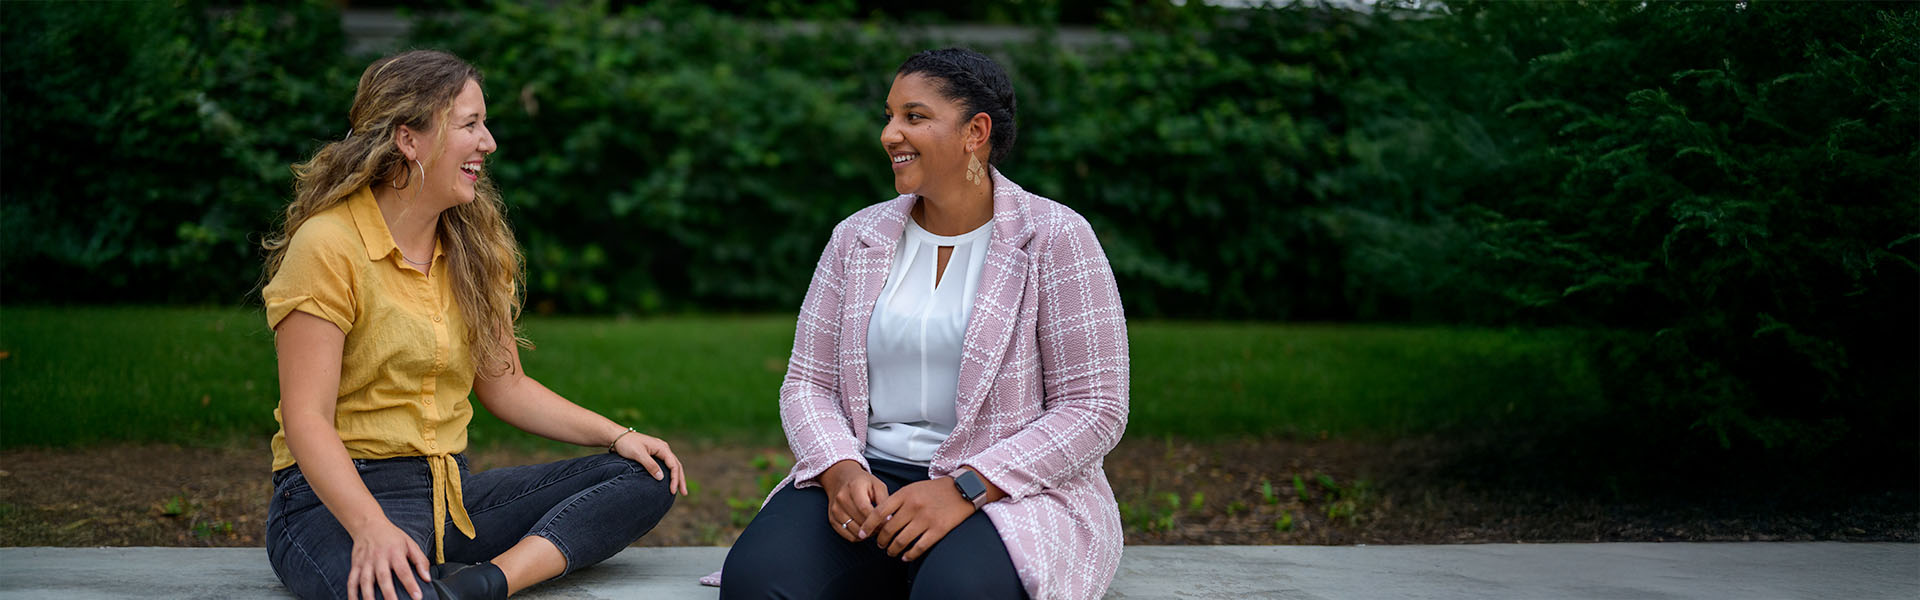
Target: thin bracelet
[(616, 439)]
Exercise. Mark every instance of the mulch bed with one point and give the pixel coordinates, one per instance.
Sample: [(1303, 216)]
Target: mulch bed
[(1170, 491)]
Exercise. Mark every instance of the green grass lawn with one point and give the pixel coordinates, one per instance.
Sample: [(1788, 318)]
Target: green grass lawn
[(79, 376)]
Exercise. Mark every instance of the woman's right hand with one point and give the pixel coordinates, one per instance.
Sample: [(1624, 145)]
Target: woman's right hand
[(310, 350), (381, 553), (852, 492)]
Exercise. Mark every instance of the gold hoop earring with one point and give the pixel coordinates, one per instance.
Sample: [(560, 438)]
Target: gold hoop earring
[(976, 173)]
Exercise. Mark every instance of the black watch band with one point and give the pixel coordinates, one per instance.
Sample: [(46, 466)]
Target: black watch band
[(971, 487)]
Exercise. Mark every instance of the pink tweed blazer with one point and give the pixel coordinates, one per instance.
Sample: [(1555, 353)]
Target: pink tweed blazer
[(1042, 390)]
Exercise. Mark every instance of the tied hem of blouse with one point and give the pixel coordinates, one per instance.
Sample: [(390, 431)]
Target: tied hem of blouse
[(448, 503)]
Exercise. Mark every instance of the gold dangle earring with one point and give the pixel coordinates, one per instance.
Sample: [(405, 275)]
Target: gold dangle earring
[(976, 173)]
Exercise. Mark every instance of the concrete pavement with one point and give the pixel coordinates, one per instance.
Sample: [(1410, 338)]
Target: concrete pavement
[(1519, 571)]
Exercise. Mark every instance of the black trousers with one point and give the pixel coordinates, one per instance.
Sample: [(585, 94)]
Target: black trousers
[(590, 507), (790, 551)]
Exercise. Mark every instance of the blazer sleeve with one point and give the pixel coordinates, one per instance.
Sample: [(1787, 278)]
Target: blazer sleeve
[(811, 410), (1084, 365)]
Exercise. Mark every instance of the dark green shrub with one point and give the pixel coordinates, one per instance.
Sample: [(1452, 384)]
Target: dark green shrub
[(1724, 192), (145, 142), (671, 158), (1731, 190)]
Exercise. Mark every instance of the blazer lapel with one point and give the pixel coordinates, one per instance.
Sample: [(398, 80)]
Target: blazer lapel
[(866, 274), (996, 303)]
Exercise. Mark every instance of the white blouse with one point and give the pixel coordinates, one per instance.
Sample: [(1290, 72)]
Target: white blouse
[(914, 343)]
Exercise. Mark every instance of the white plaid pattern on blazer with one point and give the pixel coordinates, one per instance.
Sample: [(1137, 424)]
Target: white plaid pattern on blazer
[(1042, 390)]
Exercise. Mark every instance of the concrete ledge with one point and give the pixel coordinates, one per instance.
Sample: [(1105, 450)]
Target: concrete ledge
[(1747, 570)]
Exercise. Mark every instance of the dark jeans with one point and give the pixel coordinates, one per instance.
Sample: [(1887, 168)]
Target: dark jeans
[(791, 551), (589, 507)]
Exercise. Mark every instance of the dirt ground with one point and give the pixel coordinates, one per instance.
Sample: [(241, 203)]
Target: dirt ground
[(1170, 492)]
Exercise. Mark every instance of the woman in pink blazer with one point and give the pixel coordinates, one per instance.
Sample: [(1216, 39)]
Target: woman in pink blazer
[(959, 373)]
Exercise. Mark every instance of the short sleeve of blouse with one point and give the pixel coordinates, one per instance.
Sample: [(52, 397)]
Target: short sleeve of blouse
[(316, 275)]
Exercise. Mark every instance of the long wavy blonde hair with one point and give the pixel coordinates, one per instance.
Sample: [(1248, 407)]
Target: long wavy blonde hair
[(416, 89)]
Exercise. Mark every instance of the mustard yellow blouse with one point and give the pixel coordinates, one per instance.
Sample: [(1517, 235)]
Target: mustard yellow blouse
[(406, 370)]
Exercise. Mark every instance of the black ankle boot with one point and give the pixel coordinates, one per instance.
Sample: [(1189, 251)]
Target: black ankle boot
[(475, 581)]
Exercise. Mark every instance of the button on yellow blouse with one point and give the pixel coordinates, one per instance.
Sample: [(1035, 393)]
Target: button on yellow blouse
[(406, 370)]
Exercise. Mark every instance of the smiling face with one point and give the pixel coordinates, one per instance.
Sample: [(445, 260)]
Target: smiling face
[(927, 137), (453, 172)]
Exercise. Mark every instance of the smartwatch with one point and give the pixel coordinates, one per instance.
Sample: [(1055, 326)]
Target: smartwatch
[(971, 487)]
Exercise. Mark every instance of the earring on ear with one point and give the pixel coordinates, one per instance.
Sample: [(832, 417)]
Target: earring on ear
[(402, 186), (976, 173), (423, 177)]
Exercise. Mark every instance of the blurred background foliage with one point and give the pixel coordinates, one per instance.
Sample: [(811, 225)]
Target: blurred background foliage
[(1723, 197)]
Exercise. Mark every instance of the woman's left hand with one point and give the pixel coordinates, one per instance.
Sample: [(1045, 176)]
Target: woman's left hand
[(642, 448), (913, 519)]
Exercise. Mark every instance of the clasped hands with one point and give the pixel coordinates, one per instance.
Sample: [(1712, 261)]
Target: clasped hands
[(905, 524)]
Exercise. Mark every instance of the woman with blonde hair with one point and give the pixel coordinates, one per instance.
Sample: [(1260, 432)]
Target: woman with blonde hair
[(392, 292)]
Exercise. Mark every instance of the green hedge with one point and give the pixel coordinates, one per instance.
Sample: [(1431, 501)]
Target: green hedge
[(1725, 191), (673, 158), (1734, 188), (1248, 164), (1237, 164), (145, 145)]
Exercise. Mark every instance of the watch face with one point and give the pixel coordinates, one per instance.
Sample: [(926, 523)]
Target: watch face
[(970, 485)]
